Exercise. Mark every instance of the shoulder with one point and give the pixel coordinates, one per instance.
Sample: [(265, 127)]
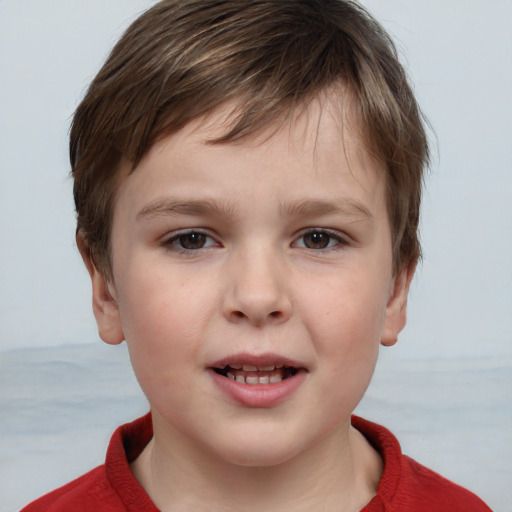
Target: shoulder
[(407, 486), (432, 492), (110, 487), (91, 492)]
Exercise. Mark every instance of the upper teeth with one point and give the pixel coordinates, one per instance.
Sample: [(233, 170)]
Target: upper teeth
[(252, 368)]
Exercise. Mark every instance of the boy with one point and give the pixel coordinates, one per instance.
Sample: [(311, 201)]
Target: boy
[(247, 184)]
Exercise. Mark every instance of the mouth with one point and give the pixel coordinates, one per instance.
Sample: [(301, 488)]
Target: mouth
[(258, 381), (256, 375)]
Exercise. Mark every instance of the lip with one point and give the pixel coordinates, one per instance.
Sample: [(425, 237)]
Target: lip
[(258, 395), (267, 359)]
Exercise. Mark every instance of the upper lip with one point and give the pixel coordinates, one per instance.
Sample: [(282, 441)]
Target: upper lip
[(258, 360)]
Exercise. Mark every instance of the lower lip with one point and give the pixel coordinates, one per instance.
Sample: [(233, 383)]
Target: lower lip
[(259, 395)]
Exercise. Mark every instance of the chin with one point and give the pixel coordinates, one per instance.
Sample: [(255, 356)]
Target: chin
[(262, 448), (257, 457)]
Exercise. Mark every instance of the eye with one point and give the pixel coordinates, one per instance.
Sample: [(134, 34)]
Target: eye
[(318, 239), (191, 241)]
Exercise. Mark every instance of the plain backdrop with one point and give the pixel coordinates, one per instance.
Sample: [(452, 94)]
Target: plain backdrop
[(459, 55)]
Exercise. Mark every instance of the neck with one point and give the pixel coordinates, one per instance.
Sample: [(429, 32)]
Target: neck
[(339, 474)]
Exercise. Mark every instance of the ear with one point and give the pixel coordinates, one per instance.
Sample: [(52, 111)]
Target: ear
[(396, 309), (104, 305)]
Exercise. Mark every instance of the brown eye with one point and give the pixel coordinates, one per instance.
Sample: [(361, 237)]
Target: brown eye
[(320, 240), (188, 241), (191, 241), (317, 240)]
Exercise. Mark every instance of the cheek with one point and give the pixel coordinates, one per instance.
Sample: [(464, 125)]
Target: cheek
[(158, 301), (347, 344), (346, 315), (163, 320)]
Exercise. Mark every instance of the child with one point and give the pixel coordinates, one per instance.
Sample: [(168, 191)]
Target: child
[(247, 182)]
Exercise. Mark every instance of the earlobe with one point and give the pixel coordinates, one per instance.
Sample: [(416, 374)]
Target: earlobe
[(396, 309), (104, 304)]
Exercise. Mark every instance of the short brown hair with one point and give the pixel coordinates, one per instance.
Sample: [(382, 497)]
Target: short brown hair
[(184, 58)]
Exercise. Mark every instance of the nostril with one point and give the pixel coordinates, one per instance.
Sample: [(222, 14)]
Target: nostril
[(272, 314)]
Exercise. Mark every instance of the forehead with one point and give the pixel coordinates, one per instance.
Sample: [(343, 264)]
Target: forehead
[(316, 128), (314, 155)]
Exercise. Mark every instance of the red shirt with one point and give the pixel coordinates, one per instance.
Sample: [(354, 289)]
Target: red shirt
[(405, 485)]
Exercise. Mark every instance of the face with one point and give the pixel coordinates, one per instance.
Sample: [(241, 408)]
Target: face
[(253, 284)]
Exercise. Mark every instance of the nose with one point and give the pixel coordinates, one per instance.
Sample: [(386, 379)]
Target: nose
[(258, 291)]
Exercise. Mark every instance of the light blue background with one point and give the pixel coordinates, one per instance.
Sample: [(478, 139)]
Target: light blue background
[(444, 389), (459, 53)]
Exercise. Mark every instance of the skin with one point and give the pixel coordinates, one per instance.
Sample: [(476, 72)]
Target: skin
[(268, 270)]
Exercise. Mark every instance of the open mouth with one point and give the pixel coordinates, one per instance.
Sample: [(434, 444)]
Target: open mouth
[(253, 375)]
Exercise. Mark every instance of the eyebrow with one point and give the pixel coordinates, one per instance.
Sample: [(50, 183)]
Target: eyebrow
[(308, 208), (186, 207), (346, 207)]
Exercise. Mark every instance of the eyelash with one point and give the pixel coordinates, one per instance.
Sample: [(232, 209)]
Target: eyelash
[(174, 244), (340, 241)]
